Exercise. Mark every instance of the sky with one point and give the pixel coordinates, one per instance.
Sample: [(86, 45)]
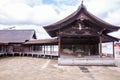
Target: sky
[(33, 14)]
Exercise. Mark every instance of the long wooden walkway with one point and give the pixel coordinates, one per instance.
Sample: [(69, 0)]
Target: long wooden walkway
[(37, 54)]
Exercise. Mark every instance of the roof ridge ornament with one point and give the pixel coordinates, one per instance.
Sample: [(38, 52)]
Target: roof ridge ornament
[(82, 2)]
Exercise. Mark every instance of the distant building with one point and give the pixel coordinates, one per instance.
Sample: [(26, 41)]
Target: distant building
[(24, 42), (12, 41)]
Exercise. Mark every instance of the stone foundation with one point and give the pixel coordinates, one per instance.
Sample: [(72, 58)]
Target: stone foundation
[(86, 62)]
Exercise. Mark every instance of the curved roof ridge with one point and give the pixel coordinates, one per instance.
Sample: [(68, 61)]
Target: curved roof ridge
[(100, 21), (68, 17)]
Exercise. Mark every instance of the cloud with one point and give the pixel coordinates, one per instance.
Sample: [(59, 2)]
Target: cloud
[(115, 34), (14, 13), (33, 3), (43, 14), (34, 11), (66, 2), (65, 10), (101, 6), (26, 12), (113, 17)]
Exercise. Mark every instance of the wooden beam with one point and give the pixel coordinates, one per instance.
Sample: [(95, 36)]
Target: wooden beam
[(113, 51), (100, 47)]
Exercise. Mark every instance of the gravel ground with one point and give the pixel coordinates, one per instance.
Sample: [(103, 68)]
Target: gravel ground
[(28, 68)]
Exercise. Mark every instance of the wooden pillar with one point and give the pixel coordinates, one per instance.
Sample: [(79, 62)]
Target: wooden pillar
[(6, 49), (113, 51), (2, 49), (100, 47), (50, 49), (31, 48), (89, 47), (53, 49), (44, 49), (59, 45)]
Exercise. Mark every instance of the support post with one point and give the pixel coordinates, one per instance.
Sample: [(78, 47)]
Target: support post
[(44, 50), (50, 49), (100, 47), (53, 49), (113, 51), (47, 49), (59, 45)]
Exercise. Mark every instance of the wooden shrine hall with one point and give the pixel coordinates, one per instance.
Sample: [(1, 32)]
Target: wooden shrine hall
[(81, 34)]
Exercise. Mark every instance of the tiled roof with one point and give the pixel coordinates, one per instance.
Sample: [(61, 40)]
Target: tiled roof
[(16, 36), (42, 41)]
